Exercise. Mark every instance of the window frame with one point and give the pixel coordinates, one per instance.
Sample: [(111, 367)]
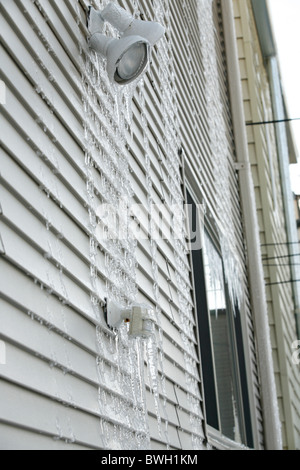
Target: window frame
[(214, 435)]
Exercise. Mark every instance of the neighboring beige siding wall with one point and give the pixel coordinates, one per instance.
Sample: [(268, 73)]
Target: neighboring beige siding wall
[(265, 172)]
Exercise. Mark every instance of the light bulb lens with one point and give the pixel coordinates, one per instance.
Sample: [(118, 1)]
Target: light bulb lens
[(132, 62)]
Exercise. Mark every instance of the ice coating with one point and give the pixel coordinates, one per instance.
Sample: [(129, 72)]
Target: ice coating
[(219, 155), (173, 162)]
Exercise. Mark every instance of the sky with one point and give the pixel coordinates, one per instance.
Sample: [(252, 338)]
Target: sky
[(285, 16)]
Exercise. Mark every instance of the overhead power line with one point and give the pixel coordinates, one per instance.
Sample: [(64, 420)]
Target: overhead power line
[(279, 257), (276, 121), (281, 264), (282, 282), (280, 244)]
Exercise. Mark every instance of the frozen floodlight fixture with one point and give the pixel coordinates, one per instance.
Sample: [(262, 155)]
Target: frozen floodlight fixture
[(128, 56), (139, 318), (125, 23)]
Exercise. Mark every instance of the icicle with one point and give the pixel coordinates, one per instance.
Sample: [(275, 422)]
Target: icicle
[(220, 158), (107, 118), (171, 132)]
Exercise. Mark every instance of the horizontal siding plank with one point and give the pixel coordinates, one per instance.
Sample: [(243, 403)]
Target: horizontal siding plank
[(51, 419), (60, 190), (55, 376), (17, 438), (68, 330), (36, 70), (34, 264), (49, 310), (52, 175), (45, 241), (159, 441), (50, 347)]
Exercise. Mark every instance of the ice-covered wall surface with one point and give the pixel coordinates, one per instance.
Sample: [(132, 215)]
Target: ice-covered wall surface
[(220, 155), (108, 118), (107, 114), (107, 126), (93, 209)]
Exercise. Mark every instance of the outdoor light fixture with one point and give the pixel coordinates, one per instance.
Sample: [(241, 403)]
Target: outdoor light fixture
[(127, 56), (139, 318)]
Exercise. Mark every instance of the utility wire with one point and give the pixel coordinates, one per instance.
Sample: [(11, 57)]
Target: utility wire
[(277, 121), (280, 257), (280, 244), (282, 264), (291, 281), (282, 282)]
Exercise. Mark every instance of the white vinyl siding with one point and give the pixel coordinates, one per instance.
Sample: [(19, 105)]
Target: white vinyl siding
[(62, 384), (191, 85)]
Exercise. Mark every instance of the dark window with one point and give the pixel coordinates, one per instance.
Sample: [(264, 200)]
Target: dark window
[(220, 335)]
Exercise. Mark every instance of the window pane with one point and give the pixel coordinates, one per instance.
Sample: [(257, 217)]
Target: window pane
[(220, 337), (222, 342), (211, 409)]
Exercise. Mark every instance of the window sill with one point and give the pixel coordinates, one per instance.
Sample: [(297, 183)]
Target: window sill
[(220, 442)]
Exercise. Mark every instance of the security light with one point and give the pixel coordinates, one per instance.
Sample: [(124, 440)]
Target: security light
[(125, 23), (139, 317), (128, 56)]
